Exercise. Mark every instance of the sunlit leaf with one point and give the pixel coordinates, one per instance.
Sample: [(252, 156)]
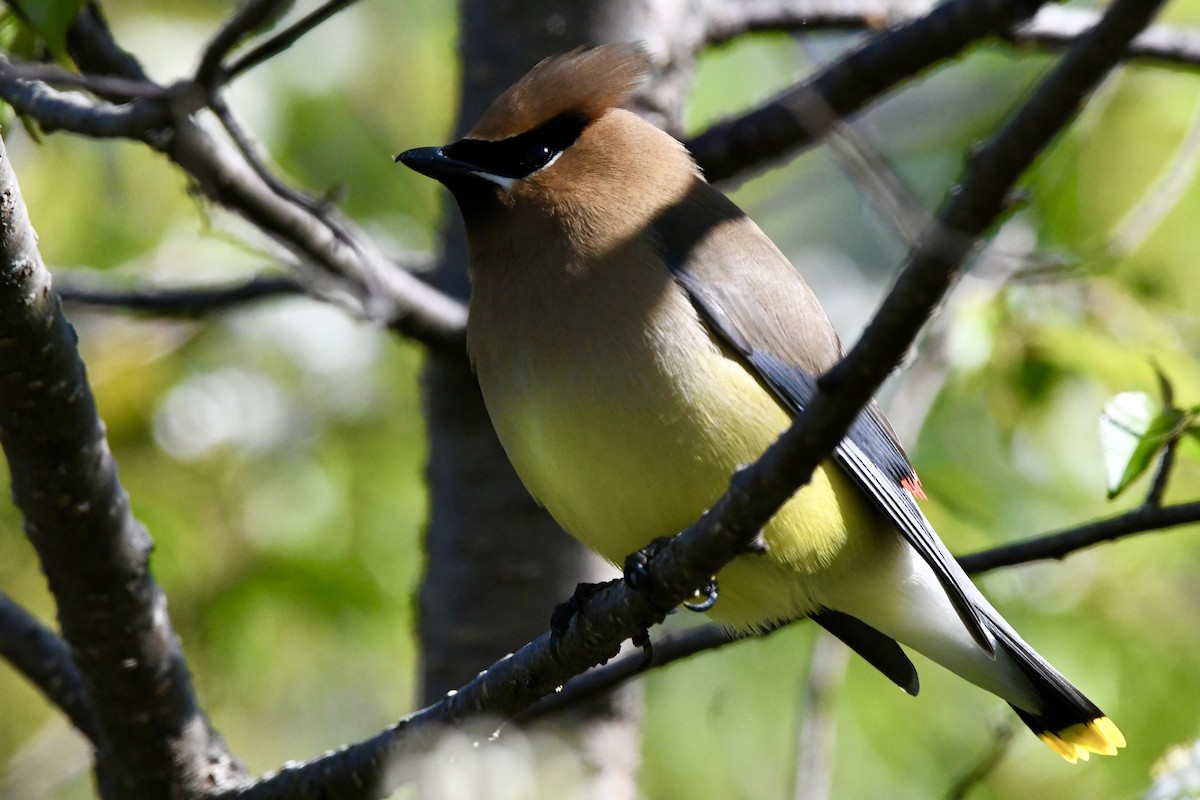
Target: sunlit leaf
[(1134, 427)]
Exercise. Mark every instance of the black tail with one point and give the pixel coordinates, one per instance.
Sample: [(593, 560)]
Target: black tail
[(1069, 723)]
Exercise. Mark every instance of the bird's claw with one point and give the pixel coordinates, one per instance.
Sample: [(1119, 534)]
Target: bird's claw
[(639, 578), (560, 619), (709, 590), (642, 640)]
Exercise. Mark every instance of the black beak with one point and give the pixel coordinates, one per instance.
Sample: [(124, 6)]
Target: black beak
[(433, 162)]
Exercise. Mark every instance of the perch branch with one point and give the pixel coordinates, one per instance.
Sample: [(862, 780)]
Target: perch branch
[(615, 613)]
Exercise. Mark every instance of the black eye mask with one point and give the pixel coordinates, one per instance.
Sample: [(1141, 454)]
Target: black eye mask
[(521, 155)]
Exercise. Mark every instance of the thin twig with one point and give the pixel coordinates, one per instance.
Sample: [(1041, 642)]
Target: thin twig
[(728, 21), (44, 659), (1162, 474), (250, 16), (985, 766), (177, 301), (1143, 519), (667, 649), (1053, 28), (54, 110), (250, 151), (101, 85), (284, 39), (818, 719)]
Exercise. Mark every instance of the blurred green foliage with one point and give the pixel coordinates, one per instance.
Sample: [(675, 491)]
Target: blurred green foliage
[(276, 454)]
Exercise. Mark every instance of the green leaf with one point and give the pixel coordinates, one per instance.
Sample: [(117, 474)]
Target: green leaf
[(50, 20), (1134, 428)]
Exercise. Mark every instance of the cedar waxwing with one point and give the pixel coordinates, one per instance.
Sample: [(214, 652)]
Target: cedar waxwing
[(637, 338)]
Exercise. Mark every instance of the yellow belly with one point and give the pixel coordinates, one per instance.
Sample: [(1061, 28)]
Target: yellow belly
[(621, 457)]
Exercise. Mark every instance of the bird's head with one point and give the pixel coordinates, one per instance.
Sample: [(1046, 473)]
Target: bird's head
[(556, 149)]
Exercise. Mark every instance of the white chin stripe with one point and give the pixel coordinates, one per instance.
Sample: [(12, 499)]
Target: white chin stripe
[(504, 183)]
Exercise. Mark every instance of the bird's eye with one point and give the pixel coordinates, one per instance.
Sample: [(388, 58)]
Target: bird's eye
[(538, 156), (522, 155)]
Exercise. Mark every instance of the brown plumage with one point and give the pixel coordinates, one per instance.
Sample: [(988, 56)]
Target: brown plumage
[(584, 83), (637, 338)]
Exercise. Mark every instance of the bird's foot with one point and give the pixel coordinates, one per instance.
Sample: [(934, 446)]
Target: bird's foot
[(642, 640), (560, 620), (709, 597), (639, 578)]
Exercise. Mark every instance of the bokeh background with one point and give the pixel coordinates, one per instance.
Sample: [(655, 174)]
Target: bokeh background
[(276, 453)]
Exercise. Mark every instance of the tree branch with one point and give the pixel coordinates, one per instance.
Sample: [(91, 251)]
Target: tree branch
[(43, 658), (285, 38), (92, 47), (1053, 28), (848, 84), (667, 649), (1142, 519), (685, 644), (184, 301), (382, 291), (984, 767), (70, 111), (728, 21), (106, 86), (248, 18), (616, 612), (804, 114), (92, 550), (1056, 26), (249, 151)]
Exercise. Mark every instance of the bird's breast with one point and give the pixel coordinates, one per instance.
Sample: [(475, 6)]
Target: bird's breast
[(625, 419)]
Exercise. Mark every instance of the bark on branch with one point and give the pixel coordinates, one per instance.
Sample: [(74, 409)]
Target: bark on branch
[(93, 552)]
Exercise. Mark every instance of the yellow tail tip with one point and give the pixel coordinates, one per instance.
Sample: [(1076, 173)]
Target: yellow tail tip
[(1077, 742)]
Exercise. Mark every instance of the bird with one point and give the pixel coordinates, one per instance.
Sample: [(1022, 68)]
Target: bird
[(637, 339)]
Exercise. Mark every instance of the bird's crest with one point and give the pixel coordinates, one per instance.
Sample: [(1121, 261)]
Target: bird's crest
[(582, 84)]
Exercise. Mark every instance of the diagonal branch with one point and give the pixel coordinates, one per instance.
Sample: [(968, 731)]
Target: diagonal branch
[(883, 62), (248, 18), (43, 657), (284, 39), (92, 550), (672, 647), (371, 769), (685, 644)]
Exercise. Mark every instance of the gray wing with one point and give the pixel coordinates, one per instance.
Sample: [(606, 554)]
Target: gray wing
[(788, 342)]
